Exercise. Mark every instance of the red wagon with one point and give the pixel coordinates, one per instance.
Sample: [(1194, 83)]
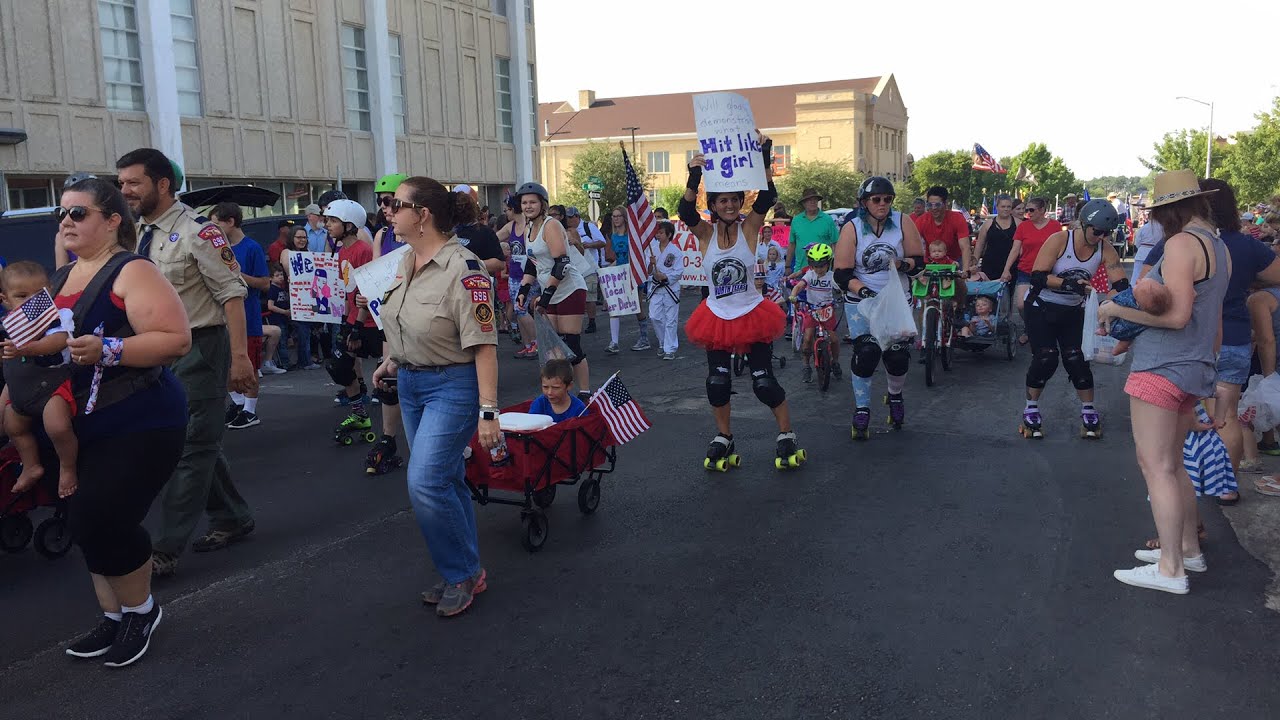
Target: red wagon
[(574, 452), (52, 536)]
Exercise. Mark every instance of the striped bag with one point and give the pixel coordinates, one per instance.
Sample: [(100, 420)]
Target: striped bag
[(1204, 455)]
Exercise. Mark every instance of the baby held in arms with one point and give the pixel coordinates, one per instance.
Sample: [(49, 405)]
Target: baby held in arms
[(1146, 295)]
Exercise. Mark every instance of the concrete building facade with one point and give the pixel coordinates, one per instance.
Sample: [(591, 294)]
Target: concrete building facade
[(288, 94), (861, 122)]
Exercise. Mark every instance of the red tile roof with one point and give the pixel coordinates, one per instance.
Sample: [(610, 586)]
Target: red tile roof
[(774, 107)]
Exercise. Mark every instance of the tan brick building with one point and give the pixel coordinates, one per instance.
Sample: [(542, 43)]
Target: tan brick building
[(861, 122), (286, 94)]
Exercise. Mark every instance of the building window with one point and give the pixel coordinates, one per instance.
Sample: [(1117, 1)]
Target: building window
[(781, 157), (506, 132), (25, 194), (659, 162), (533, 108), (528, 11), (397, 82), (121, 54), (500, 7), (688, 156), (824, 142), (186, 59), (355, 77)]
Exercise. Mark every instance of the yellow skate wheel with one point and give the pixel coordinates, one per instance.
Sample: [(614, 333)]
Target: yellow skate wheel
[(735, 460), (369, 437), (722, 464), (347, 439), (706, 463), (777, 463), (804, 456)]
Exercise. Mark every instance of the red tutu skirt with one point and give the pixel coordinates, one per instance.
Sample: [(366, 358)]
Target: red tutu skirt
[(763, 324)]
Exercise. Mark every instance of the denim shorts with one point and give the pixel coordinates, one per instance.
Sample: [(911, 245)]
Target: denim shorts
[(1021, 278), (1233, 364)]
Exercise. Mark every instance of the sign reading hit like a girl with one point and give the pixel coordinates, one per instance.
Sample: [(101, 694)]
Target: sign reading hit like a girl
[(727, 137)]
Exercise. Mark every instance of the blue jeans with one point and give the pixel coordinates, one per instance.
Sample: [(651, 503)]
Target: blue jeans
[(858, 326), (441, 411)]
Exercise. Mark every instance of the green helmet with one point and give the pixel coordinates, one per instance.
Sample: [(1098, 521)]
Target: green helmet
[(389, 183)]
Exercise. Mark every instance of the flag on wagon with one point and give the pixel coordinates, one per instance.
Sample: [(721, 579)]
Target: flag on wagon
[(619, 409), (982, 160), (30, 319), (640, 225)]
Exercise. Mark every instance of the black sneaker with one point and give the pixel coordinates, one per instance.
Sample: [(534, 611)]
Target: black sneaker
[(233, 410), (98, 641), (244, 420), (134, 637)]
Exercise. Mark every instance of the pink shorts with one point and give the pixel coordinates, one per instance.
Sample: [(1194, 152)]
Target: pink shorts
[(1161, 392)]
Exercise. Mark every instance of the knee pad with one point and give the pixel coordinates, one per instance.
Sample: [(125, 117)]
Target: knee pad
[(719, 386), (866, 356), (574, 342), (767, 389), (1043, 364), (387, 397), (897, 359), (1078, 369), (341, 369)]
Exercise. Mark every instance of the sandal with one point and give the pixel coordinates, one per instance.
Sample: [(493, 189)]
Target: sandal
[(1225, 500), (1251, 466), (1154, 543), (1267, 485)]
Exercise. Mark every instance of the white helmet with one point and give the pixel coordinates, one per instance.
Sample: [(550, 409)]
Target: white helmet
[(347, 211)]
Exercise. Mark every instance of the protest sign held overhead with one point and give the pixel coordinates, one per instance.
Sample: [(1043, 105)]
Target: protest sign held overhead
[(728, 139)]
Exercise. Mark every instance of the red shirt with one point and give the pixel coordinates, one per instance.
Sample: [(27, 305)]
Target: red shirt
[(953, 231), (274, 250), (351, 256), (1032, 238)]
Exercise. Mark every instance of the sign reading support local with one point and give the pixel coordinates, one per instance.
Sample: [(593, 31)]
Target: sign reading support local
[(727, 137), (620, 296), (374, 279)]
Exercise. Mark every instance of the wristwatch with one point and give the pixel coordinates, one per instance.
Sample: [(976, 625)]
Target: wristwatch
[(488, 413)]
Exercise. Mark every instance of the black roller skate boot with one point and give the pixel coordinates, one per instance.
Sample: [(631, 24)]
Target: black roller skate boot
[(897, 410), (721, 455), (790, 455), (862, 424), (382, 459), (1090, 423)]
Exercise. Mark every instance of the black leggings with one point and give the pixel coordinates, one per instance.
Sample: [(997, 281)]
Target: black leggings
[(1051, 326), (119, 477), (759, 357)]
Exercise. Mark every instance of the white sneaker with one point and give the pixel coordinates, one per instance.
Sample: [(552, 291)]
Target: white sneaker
[(611, 348), (1148, 576), (270, 368), (641, 344), (1194, 564)]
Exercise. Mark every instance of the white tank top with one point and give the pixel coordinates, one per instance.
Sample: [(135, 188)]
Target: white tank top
[(877, 257), (1070, 267), (542, 260), (732, 276)]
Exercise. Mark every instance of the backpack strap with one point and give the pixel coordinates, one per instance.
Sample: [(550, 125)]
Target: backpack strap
[(107, 273)]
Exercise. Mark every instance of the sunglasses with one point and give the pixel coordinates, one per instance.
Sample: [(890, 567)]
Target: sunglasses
[(1100, 233), (385, 201), (397, 205), (77, 213), (933, 206), (880, 199)]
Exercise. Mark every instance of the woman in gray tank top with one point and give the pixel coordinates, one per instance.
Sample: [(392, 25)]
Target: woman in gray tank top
[(1173, 368)]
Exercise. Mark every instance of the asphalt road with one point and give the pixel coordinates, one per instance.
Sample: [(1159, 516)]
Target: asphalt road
[(950, 570)]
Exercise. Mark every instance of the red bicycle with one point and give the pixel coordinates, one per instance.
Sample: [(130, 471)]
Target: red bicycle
[(822, 339)]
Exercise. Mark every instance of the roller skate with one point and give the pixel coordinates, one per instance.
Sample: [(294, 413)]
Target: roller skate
[(862, 424), (354, 425), (720, 455), (897, 410), (1030, 427), (382, 459), (1090, 424), (790, 455)]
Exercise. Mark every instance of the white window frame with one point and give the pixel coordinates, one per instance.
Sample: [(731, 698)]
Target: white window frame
[(396, 48), (505, 112), (108, 34), (355, 99), (658, 162), (781, 157), (190, 103)]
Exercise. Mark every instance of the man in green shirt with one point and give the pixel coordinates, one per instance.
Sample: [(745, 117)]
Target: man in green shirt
[(809, 227)]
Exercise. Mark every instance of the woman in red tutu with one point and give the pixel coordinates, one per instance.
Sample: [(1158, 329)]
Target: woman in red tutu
[(733, 318)]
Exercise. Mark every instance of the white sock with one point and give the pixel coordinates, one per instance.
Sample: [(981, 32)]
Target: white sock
[(113, 616), (896, 383), (142, 609), (615, 326), (251, 405), (237, 398)]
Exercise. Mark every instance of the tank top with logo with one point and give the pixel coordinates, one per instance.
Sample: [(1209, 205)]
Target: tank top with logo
[(877, 255), (1071, 268), (731, 274)]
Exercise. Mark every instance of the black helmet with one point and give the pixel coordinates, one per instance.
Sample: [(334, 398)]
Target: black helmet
[(77, 177), (1099, 214), (533, 188), (875, 185), (329, 196)]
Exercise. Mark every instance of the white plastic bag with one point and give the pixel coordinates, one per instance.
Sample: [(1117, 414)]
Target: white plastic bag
[(1098, 348), (1260, 406), (550, 346), (889, 316)]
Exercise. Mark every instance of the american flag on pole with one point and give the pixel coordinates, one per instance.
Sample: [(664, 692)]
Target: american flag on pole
[(982, 160), (620, 411), (640, 224), (30, 319)]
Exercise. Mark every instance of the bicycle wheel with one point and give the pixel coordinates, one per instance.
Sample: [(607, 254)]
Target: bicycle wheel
[(944, 346), (822, 358), (797, 331), (930, 343), (739, 364)]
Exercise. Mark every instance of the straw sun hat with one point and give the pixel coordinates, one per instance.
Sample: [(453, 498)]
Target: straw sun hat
[(1175, 185)]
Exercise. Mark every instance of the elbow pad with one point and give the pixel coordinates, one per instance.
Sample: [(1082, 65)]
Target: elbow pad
[(765, 200), (558, 267), (695, 179), (843, 276), (1120, 285), (687, 211), (530, 268), (1040, 279)]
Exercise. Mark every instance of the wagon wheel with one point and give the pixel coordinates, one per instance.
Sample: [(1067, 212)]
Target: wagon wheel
[(544, 497), (534, 524), (53, 538), (589, 495)]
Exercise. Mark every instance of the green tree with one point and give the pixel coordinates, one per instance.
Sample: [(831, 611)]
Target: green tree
[(1185, 150), (835, 181), (1045, 173), (1253, 164), (1123, 184), (669, 198), (953, 170), (605, 162)]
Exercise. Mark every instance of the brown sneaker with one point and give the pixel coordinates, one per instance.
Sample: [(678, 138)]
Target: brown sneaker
[(220, 538), (453, 599), (163, 564)]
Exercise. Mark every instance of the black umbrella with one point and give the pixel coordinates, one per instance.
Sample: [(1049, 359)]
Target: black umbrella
[(242, 195)]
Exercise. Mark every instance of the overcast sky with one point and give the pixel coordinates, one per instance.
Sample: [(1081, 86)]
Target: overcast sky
[(994, 73)]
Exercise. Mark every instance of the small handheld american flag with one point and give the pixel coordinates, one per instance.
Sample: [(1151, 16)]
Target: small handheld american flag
[(30, 319), (620, 412)]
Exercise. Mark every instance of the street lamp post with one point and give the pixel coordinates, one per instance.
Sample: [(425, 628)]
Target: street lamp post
[(1208, 155), (633, 139)]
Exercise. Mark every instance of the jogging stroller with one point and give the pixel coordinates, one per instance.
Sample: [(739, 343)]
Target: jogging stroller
[(52, 536)]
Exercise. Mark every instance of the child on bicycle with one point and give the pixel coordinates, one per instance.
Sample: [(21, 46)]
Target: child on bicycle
[(818, 283), (936, 254)]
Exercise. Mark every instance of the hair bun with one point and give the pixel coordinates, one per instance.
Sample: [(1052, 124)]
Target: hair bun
[(465, 210)]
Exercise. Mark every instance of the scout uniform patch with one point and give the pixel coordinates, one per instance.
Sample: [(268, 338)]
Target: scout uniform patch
[(214, 236), (229, 258), (479, 286)]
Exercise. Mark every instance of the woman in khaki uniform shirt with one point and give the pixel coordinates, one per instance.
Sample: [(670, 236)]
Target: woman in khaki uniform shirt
[(441, 352)]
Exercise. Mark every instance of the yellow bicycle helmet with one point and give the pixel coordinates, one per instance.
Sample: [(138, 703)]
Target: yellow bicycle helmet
[(819, 253)]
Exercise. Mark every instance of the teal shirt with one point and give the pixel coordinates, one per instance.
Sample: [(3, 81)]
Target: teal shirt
[(805, 232)]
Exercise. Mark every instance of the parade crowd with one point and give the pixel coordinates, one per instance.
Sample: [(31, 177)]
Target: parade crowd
[(146, 364)]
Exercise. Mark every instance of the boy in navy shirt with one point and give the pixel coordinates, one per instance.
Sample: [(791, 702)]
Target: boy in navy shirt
[(557, 399)]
